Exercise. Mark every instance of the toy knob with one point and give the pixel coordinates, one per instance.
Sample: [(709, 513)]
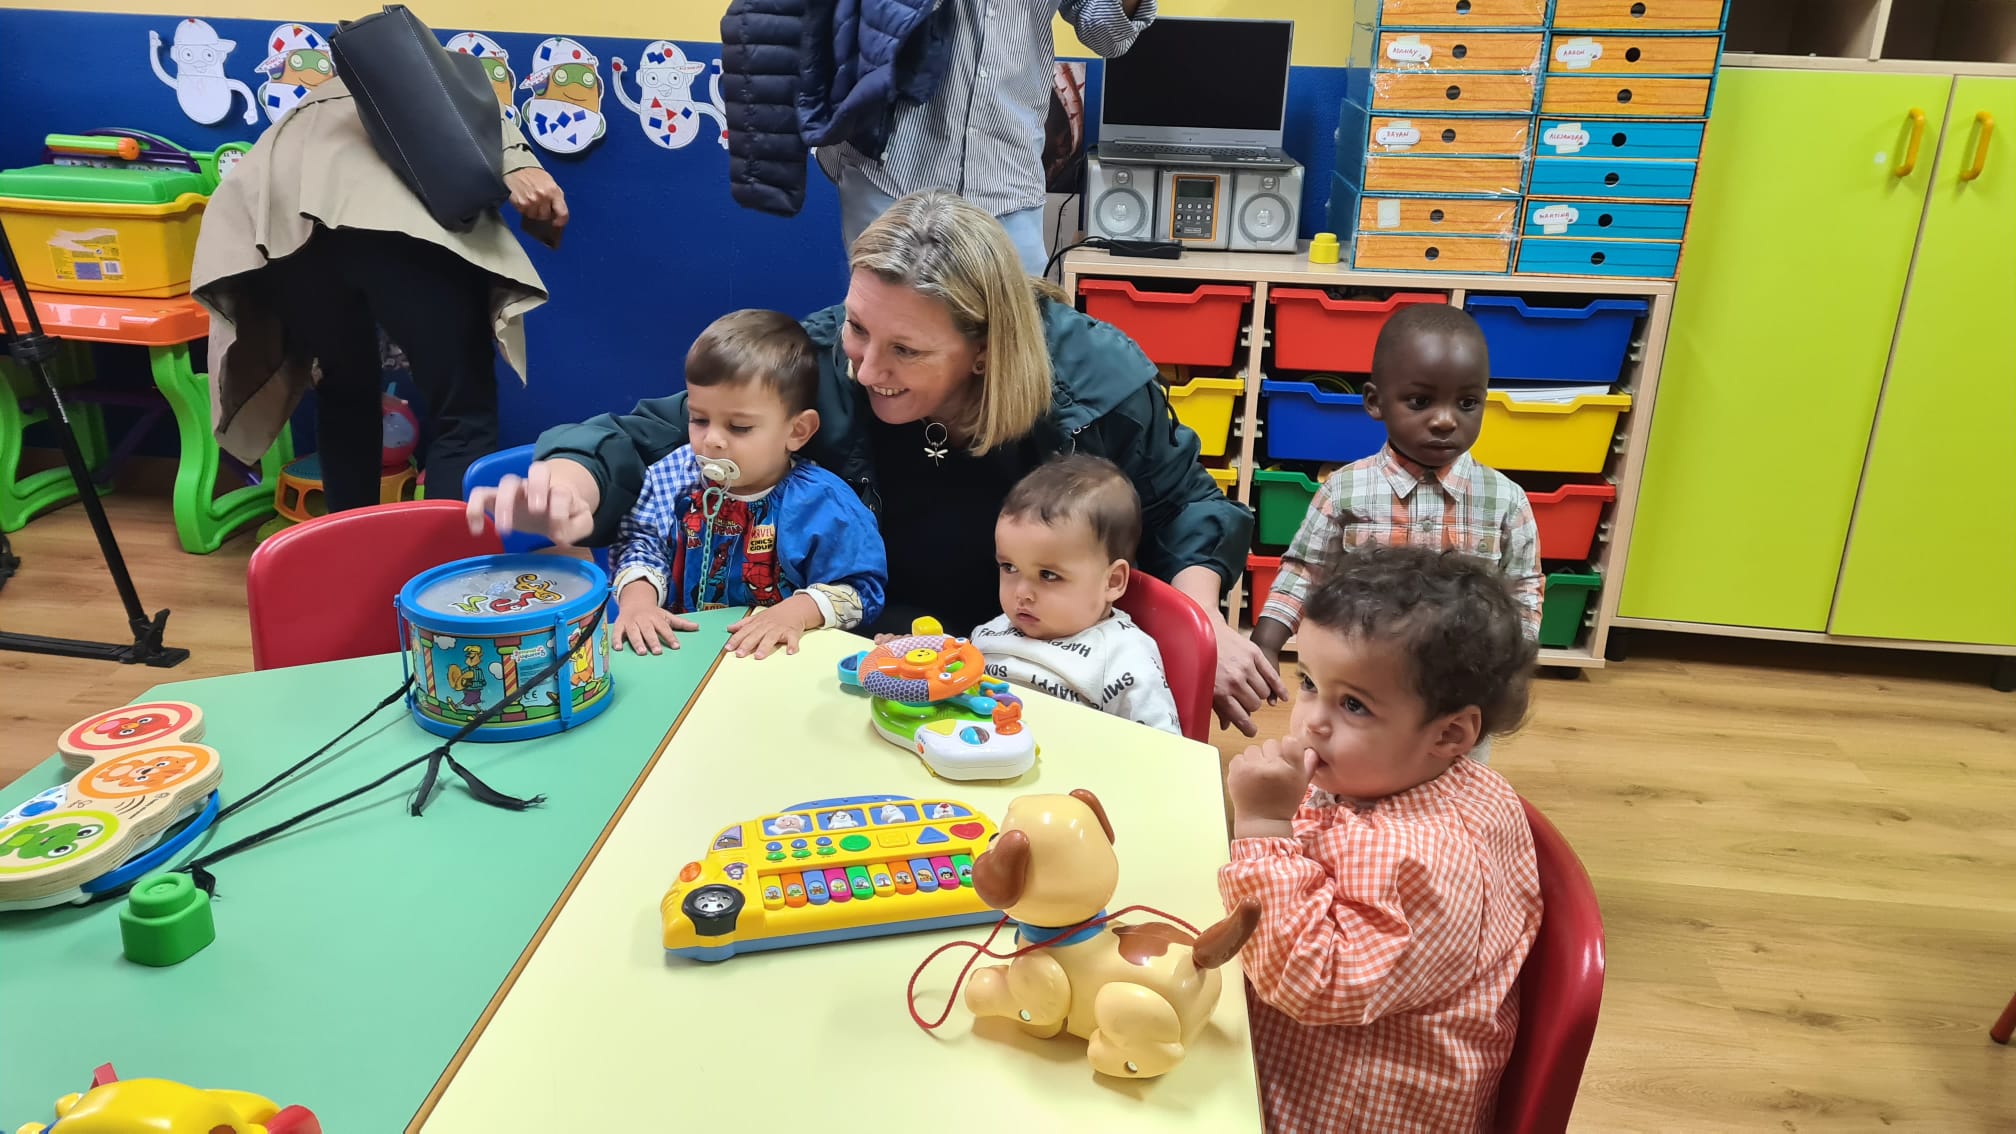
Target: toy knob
[(166, 921), (926, 625), (1007, 718)]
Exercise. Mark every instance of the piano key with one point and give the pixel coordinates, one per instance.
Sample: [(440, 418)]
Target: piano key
[(927, 878), (948, 878), (883, 878), (794, 891), (837, 887), (906, 882), (857, 877), (815, 887)]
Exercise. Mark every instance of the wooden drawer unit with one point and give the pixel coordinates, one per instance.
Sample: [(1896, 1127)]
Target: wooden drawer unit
[(1605, 220), (1498, 177), (1639, 15), (1458, 216), (1459, 51), (1620, 141), (1433, 253), (1612, 180), (1449, 137), (1556, 256), (1443, 92), (1597, 95), (1464, 13), (1603, 54)]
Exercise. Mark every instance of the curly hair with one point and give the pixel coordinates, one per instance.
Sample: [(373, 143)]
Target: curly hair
[(1452, 615)]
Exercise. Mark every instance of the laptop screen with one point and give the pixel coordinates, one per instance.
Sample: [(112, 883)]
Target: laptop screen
[(1199, 74)]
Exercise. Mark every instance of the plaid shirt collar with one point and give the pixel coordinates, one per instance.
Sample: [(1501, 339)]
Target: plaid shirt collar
[(1404, 475)]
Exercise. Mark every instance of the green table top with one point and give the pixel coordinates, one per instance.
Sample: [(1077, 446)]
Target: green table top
[(354, 952)]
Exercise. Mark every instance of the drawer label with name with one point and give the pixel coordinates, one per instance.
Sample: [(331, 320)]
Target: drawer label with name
[(1578, 53), (1555, 219), (1409, 49), (1567, 138), (1397, 135)]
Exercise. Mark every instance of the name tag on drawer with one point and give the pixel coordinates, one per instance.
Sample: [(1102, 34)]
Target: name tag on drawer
[(1459, 51), (1457, 216), (1464, 13), (1452, 92), (1601, 54), (1433, 253), (1609, 94), (1640, 15), (1606, 220), (1451, 137), (1499, 177), (1615, 180), (1564, 256), (1619, 141)]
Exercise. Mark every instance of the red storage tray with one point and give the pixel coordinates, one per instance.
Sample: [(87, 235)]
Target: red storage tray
[(1567, 518), (1263, 568), (1173, 328), (1315, 332)]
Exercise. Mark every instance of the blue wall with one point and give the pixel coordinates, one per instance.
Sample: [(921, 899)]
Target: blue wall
[(656, 248)]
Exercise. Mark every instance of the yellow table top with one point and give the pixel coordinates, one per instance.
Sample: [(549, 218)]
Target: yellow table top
[(602, 1029)]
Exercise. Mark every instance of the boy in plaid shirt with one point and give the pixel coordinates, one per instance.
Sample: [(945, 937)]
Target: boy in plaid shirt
[(1397, 883), (1430, 372)]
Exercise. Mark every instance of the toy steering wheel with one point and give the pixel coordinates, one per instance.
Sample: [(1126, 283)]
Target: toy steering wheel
[(922, 668)]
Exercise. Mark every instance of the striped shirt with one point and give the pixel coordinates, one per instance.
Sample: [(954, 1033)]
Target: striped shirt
[(1382, 983), (1386, 500), (981, 135)]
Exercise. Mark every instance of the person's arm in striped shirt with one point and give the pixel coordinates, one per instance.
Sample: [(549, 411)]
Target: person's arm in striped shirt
[(1521, 561), (1317, 546), (1108, 27)]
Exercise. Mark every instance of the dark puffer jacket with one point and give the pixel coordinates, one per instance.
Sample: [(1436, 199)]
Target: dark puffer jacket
[(803, 73)]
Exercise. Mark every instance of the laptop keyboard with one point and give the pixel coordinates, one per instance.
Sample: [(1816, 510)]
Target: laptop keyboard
[(1212, 153)]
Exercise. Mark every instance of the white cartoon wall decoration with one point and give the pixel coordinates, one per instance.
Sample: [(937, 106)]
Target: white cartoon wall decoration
[(667, 111), (496, 64), (564, 114), (201, 86), (297, 61)]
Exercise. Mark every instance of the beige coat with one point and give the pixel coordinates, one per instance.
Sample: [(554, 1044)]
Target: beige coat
[(318, 165)]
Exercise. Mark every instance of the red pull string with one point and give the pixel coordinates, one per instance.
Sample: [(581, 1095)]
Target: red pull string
[(986, 949)]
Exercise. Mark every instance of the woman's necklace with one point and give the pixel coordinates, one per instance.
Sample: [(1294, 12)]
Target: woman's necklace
[(936, 438)]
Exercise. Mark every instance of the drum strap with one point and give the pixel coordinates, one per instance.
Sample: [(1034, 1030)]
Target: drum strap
[(198, 869)]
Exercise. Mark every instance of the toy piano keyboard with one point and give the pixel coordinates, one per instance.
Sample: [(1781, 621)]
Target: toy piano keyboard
[(829, 870)]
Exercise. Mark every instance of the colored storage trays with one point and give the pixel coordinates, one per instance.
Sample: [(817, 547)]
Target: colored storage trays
[(1609, 178), (1281, 497), (1540, 256), (1206, 406), (1619, 141), (1639, 15), (1382, 252), (1556, 344), (1563, 605), (1464, 13), (1262, 569), (1199, 327), (1568, 518), (89, 230), (1315, 332), (1305, 423), (1605, 220), (1569, 437)]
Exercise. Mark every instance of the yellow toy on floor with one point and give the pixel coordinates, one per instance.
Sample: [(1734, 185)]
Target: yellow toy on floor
[(158, 1106), (1138, 994)]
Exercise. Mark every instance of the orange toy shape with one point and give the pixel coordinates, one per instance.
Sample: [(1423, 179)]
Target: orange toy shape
[(922, 669), (128, 729)]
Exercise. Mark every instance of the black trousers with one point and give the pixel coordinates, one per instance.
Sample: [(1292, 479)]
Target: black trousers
[(333, 295)]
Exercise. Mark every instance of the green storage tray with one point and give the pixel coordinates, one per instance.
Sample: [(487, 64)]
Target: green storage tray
[(1566, 601), (96, 185), (1281, 498)]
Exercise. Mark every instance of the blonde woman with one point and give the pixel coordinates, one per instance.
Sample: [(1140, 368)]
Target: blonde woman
[(945, 376)]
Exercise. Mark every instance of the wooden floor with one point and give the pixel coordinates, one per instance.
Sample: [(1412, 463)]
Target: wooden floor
[(1806, 857)]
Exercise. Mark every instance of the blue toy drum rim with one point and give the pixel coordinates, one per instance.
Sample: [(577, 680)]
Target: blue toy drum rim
[(562, 629), (503, 625)]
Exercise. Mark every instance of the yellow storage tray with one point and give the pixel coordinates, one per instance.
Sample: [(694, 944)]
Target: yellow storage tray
[(1228, 479), (1451, 137), (103, 248), (1433, 91), (1458, 51), (1206, 405), (1460, 216), (1601, 53), (1464, 14), (1433, 253), (1598, 95), (1569, 437), (1497, 176)]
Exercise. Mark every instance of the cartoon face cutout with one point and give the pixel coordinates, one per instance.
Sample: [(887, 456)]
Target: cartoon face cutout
[(156, 769), (307, 69), (31, 842), (575, 83), (564, 114), (788, 825)]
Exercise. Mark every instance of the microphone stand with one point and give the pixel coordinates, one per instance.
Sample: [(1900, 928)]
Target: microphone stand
[(33, 351)]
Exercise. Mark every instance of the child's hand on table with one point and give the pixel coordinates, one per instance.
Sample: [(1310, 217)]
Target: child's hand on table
[(642, 624), (1267, 783), (762, 632)]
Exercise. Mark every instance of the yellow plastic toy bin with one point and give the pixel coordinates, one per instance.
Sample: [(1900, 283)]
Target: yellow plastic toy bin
[(108, 215), (1206, 405), (1571, 437)]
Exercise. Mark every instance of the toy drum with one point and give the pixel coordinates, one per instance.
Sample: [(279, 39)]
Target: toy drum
[(476, 629)]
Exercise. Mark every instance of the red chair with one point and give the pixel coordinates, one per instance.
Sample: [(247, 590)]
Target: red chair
[(323, 590), (2005, 1024), (1188, 642), (1560, 992)]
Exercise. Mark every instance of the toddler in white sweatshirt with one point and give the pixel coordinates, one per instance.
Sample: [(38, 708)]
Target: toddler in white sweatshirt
[(1064, 542)]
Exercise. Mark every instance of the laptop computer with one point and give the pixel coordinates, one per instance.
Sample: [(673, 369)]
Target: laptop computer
[(1199, 92)]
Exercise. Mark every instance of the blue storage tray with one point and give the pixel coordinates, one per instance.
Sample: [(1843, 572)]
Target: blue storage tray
[(1558, 344), (1558, 256), (1607, 220), (1618, 180), (1614, 140), (1305, 423)]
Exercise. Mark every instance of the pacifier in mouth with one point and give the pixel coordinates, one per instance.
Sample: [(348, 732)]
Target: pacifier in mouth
[(720, 470)]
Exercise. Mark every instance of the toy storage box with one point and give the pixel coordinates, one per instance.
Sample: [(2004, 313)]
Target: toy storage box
[(1315, 332), (1206, 405), (1305, 423), (1587, 343), (1199, 327), (96, 231)]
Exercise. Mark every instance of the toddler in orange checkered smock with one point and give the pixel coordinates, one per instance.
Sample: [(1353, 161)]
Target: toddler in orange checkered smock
[(1396, 879)]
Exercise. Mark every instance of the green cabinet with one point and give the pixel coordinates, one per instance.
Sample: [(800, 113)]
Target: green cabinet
[(1932, 553), (1821, 427)]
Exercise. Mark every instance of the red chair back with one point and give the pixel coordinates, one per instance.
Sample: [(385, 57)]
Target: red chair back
[(1189, 645), (1560, 992), (323, 590)]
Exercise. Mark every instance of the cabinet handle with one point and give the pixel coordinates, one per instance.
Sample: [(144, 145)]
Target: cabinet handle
[(1910, 162), (1987, 123)]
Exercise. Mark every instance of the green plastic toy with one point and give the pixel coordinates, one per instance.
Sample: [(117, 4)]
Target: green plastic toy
[(166, 920)]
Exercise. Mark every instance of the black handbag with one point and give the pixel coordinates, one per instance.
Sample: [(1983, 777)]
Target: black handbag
[(430, 112)]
